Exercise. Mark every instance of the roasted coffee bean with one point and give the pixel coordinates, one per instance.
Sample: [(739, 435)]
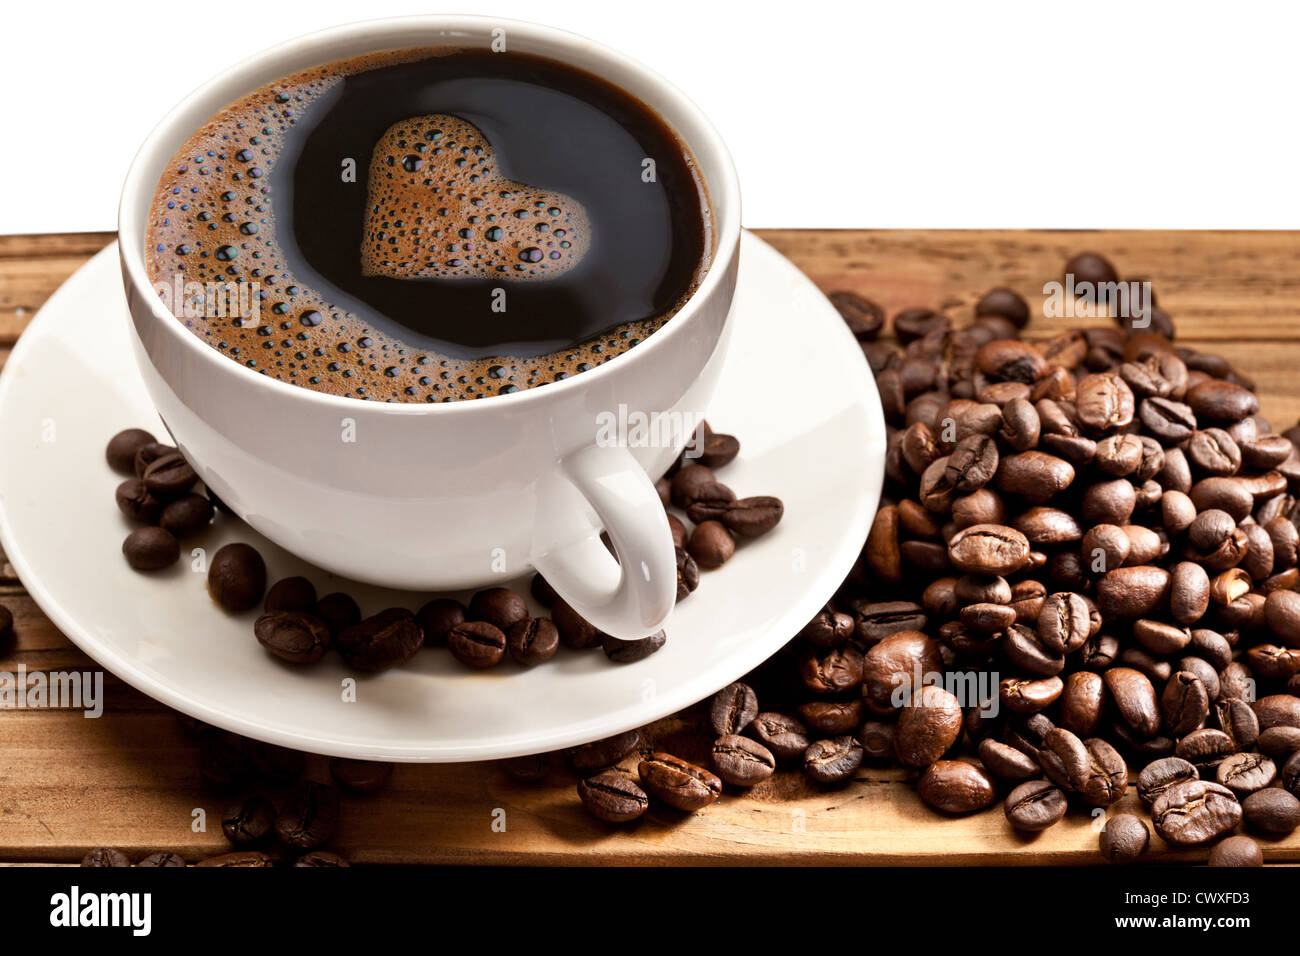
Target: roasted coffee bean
[(1082, 702), (1279, 742), (438, 617), (187, 516), (786, 737), (733, 709), (1119, 455), (613, 797), (1195, 812), (1244, 773), (832, 717), (360, 776), (1029, 696), (688, 579), (323, 859), (123, 446), (1005, 303), (292, 636), (603, 753), (838, 671), (338, 611), (1034, 805), (240, 858), (1135, 699), (678, 783), (864, 318), (1026, 650), (1034, 475), (534, 640), (719, 450), (575, 631), (1237, 851), (308, 817), (1108, 502), (545, 595), (686, 481), (147, 454), (913, 324), (500, 607), (162, 859), (1104, 402), (629, 652), (829, 628), (476, 644), (710, 502), (1159, 775), (877, 740), (237, 577), (1282, 611), (1161, 638), (223, 764), (1133, 592), (1064, 622), (169, 475), (1213, 452), (1011, 360), (988, 549), (291, 594), (954, 786), (1271, 811), (384, 640), (1090, 268), (751, 517), (742, 762), (928, 726), (138, 503), (1005, 762), (876, 621), (150, 549), (105, 858), (1021, 426), (711, 544), (1169, 421), (1237, 719), (832, 761), (248, 821), (1123, 839), (675, 528), (1278, 710), (1206, 748), (1221, 401)]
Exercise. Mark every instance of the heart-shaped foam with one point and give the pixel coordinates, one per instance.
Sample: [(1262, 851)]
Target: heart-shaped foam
[(438, 209)]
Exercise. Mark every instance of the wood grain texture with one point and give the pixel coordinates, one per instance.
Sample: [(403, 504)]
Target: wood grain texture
[(130, 779)]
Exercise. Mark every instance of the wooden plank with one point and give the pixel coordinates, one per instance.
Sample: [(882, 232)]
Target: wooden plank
[(131, 779)]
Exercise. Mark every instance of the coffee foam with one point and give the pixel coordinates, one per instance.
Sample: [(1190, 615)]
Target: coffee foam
[(438, 208), (213, 219)]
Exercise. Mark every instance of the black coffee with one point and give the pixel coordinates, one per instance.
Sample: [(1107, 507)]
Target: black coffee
[(429, 225)]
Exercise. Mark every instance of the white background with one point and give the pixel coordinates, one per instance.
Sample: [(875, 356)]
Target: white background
[(1122, 114)]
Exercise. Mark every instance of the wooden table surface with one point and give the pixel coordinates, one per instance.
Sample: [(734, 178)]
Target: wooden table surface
[(130, 779)]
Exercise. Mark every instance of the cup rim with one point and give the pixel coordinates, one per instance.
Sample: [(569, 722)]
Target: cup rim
[(724, 195)]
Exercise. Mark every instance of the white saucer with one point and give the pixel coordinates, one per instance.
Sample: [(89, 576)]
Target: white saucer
[(795, 390)]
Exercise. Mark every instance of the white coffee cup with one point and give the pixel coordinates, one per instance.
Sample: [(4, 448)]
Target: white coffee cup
[(462, 494)]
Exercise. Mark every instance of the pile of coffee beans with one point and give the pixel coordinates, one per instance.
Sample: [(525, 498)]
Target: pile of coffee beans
[(298, 628), (1081, 578)]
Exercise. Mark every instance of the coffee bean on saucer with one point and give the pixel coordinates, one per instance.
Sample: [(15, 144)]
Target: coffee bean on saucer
[(599, 754), (136, 501), (105, 857), (688, 573), (162, 859), (542, 591), (293, 636), (732, 709), (237, 577), (663, 488), (309, 816), (832, 761), (360, 776), (1091, 267), (719, 450), (500, 607), (679, 783), (477, 644), (864, 318), (687, 481), (338, 611), (533, 640), (291, 594), (576, 632), (123, 446), (711, 544), (1237, 851), (678, 531), (188, 515), (150, 549), (629, 652), (249, 820), (384, 640), (437, 617), (169, 475), (613, 796), (742, 762), (146, 455), (751, 517), (254, 859), (710, 502), (322, 859), (1123, 839), (1005, 303)]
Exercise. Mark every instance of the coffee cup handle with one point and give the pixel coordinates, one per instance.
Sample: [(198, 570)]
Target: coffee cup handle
[(627, 598)]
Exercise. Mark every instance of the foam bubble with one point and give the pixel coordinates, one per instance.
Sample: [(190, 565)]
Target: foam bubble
[(438, 208)]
